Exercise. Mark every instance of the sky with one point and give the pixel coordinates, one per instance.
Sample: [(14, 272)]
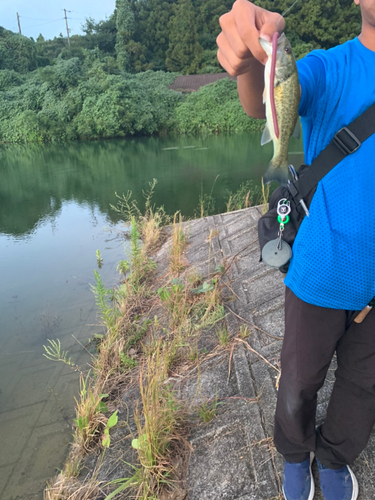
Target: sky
[(47, 17)]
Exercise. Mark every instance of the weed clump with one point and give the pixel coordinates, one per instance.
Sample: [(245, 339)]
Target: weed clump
[(177, 246), (158, 420), (208, 409), (140, 345), (247, 195), (149, 223)]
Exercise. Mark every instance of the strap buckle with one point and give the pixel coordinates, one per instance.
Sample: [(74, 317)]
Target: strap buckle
[(346, 141)]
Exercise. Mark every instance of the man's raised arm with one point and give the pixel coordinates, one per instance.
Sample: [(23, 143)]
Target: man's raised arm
[(240, 52)]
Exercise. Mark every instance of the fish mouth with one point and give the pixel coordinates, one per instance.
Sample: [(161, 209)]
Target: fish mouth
[(267, 43), (264, 43)]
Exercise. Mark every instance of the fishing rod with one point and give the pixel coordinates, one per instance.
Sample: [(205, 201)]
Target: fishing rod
[(289, 8), (286, 12)]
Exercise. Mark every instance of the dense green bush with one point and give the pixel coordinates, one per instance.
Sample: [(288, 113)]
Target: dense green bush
[(10, 78), (214, 108), (62, 102), (17, 52), (70, 101)]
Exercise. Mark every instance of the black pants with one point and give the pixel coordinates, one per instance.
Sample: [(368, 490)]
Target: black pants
[(312, 335)]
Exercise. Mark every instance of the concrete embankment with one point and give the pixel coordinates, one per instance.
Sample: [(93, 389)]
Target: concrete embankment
[(232, 457)]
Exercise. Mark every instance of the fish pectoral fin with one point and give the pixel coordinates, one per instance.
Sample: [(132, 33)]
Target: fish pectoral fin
[(297, 130), (266, 136)]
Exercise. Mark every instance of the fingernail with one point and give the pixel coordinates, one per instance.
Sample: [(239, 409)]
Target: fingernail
[(267, 38)]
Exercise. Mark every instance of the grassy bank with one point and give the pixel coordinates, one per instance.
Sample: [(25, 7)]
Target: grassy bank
[(154, 321)]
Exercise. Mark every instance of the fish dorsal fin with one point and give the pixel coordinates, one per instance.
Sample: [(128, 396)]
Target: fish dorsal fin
[(296, 131), (266, 136)]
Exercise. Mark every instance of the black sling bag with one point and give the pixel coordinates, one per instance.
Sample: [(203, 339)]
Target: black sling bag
[(345, 142)]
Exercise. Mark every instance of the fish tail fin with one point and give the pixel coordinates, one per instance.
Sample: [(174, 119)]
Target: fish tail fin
[(277, 170)]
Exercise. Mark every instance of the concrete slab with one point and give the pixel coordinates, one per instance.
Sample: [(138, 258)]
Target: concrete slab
[(233, 456), (216, 470)]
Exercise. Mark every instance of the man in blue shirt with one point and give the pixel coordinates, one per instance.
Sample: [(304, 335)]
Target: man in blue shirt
[(332, 272)]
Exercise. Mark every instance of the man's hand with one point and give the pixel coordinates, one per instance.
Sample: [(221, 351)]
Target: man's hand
[(239, 40), (241, 54)]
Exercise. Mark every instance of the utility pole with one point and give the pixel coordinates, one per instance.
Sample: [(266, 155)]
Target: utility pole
[(19, 24), (67, 28)]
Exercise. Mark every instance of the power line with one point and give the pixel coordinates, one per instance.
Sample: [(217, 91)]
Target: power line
[(34, 18), (43, 24), (49, 21)]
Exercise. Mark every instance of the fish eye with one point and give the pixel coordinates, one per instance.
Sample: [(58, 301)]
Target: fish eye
[(288, 50)]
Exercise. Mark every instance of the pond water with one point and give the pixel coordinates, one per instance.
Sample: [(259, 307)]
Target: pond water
[(54, 214)]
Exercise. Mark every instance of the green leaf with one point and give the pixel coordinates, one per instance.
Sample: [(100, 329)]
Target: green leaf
[(138, 443), (206, 287), (127, 482), (177, 288), (112, 421), (102, 407), (135, 444), (164, 294), (106, 440), (176, 281), (81, 422)]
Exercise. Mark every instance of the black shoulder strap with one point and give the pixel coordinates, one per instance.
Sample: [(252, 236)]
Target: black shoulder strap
[(345, 142)]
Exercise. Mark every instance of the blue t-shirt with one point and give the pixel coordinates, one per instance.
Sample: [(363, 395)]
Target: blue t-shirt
[(333, 263)]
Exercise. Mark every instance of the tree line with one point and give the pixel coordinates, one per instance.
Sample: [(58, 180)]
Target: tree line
[(112, 80)]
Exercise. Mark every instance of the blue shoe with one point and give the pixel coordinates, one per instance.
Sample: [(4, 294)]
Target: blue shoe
[(298, 482), (338, 484)]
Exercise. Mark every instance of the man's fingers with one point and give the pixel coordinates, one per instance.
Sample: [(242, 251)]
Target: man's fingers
[(254, 22), (245, 15), (241, 29), (224, 63), (231, 35), (234, 67), (236, 54)]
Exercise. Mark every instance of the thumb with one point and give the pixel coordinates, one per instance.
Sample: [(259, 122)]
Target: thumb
[(271, 26)]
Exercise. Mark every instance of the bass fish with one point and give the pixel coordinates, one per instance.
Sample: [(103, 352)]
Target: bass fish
[(281, 97)]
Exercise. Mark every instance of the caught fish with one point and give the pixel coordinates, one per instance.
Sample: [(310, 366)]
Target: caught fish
[(281, 97)]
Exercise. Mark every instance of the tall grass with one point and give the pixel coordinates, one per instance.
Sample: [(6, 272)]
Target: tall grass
[(150, 221), (190, 305), (90, 409), (247, 195), (178, 245), (158, 420)]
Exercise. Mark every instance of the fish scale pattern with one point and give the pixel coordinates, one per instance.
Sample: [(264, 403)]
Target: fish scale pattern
[(333, 263)]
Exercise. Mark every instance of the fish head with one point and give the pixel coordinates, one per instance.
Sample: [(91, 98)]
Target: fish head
[(285, 61)]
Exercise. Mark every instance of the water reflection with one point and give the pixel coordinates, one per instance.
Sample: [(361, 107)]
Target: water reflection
[(45, 293), (37, 179)]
